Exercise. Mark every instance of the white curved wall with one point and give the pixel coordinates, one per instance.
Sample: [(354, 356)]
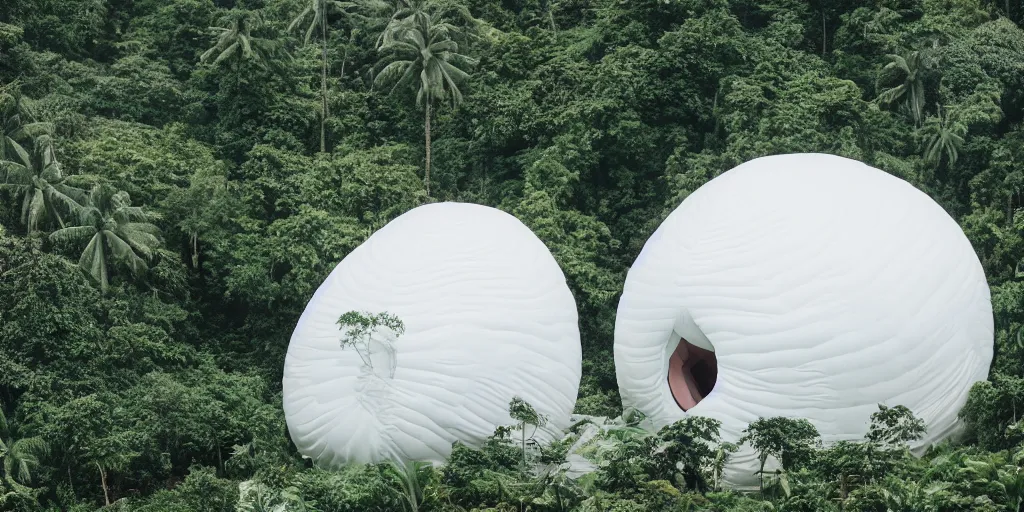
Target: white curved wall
[(488, 316), (825, 287)]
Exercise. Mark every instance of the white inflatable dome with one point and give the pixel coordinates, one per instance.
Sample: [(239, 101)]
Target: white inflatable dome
[(804, 285), (487, 315)]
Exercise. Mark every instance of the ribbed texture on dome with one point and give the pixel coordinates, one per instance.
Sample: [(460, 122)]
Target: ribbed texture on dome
[(487, 315), (825, 286)]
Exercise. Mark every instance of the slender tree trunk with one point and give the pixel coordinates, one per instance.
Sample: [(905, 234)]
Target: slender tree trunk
[(344, 58), (104, 278), (323, 84), (103, 482), (551, 19), (1009, 210), (524, 446), (823, 31), (760, 475), (426, 173), (220, 461), (60, 221)]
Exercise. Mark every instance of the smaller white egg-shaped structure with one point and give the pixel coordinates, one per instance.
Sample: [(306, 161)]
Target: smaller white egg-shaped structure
[(805, 286), (487, 315)]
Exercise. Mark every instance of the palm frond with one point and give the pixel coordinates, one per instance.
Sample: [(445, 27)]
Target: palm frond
[(141, 241), (101, 197), (93, 260), (312, 27), (226, 54), (32, 216), (399, 68), (298, 19), (416, 38), (25, 454), (142, 227), (892, 94), (89, 215), (400, 47), (205, 56), (444, 45), (20, 152), (71, 197), (14, 175), (452, 72), (33, 130), (247, 52), (127, 214), (55, 201), (26, 203), (122, 252), (72, 234), (896, 62), (43, 145)]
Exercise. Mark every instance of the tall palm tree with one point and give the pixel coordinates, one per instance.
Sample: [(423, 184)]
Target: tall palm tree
[(910, 85), (944, 135), (425, 50), (236, 43), (317, 12), (37, 177), (116, 230), (18, 457)]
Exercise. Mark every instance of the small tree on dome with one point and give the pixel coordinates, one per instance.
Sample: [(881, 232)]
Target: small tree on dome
[(358, 329)]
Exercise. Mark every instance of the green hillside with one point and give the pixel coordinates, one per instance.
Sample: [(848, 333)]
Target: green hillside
[(179, 176)]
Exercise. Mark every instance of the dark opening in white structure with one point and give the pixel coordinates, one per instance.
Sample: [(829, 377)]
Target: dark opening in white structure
[(692, 372)]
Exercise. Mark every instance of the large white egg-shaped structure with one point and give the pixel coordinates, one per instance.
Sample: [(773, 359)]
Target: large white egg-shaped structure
[(487, 316), (806, 286)]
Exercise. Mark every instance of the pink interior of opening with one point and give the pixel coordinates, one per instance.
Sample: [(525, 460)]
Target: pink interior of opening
[(692, 372)]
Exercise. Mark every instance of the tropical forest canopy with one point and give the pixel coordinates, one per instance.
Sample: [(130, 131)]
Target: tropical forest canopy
[(178, 176)]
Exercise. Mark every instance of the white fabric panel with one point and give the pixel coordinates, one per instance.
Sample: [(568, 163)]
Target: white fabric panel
[(488, 316), (825, 286)]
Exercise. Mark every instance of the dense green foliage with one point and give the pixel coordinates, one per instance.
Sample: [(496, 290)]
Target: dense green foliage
[(179, 176)]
